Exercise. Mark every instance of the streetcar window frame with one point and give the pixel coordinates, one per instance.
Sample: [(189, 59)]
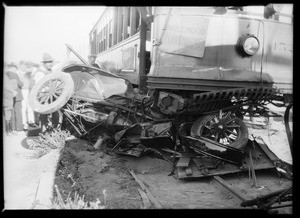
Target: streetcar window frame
[(105, 27)]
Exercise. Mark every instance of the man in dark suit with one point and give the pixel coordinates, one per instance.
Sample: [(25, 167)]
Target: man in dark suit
[(17, 119)]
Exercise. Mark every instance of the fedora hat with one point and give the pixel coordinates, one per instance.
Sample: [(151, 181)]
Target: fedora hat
[(47, 58)]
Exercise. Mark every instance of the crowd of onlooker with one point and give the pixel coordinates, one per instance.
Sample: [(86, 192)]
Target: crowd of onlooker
[(18, 81)]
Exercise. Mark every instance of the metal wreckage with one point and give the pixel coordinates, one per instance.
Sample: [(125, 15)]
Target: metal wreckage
[(94, 101), (91, 98), (184, 110)]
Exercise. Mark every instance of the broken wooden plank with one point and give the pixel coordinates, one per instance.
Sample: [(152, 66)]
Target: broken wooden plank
[(171, 151), (183, 162), (181, 173), (98, 143), (252, 170), (144, 188), (240, 195), (146, 201), (262, 144), (188, 171)]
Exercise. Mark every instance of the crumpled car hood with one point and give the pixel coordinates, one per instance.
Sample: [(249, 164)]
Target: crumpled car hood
[(108, 83)]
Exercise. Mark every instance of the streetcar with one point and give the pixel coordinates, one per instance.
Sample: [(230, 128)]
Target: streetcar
[(209, 64)]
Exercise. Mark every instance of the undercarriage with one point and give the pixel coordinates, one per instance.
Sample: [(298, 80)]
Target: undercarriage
[(218, 114)]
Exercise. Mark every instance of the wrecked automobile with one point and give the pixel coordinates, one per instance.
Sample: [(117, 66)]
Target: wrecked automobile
[(89, 97)]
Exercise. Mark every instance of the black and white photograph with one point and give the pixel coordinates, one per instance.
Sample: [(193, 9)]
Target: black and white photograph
[(148, 107)]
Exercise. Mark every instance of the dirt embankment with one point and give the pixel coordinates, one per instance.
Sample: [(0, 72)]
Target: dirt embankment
[(88, 172)]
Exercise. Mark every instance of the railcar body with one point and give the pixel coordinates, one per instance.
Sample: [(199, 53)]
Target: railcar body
[(196, 49)]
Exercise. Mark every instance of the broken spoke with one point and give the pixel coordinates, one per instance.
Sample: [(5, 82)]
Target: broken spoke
[(216, 119), (216, 137), (227, 137), (229, 121), (234, 133), (227, 115)]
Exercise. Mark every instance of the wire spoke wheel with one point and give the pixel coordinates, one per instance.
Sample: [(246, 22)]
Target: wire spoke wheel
[(224, 128)]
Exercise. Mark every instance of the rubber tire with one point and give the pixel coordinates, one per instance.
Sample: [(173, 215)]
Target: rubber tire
[(59, 102), (239, 143)]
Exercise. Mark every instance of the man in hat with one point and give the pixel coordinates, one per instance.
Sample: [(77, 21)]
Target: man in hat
[(92, 60), (45, 69)]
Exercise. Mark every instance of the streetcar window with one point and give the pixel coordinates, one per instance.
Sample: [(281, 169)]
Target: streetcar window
[(120, 26), (126, 20), (94, 42), (115, 25), (100, 41), (137, 22), (100, 46), (110, 34), (104, 38)]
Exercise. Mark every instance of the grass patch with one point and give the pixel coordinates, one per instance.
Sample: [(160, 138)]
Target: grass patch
[(77, 202), (54, 139)]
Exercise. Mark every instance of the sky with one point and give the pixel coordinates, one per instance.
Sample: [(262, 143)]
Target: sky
[(31, 31)]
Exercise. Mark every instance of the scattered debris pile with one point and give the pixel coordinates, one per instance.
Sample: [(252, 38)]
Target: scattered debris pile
[(192, 157), (144, 138), (88, 170), (272, 200), (45, 142)]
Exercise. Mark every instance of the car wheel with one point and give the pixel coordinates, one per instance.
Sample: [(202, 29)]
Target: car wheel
[(51, 93), (224, 128)]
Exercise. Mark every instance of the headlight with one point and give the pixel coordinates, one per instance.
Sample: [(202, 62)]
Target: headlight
[(249, 45)]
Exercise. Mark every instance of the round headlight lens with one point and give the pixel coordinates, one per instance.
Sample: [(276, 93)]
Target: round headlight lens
[(251, 45)]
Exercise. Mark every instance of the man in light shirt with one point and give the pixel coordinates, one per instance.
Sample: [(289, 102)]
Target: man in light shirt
[(44, 70), (34, 69), (21, 74), (25, 76)]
